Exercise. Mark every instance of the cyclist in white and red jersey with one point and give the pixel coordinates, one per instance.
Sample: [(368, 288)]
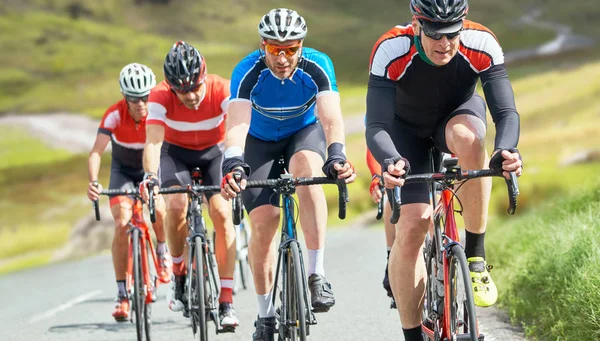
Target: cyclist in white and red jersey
[(421, 91), (186, 129), (124, 125)]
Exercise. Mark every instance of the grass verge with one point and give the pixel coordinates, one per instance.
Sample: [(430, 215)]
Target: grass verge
[(546, 266)]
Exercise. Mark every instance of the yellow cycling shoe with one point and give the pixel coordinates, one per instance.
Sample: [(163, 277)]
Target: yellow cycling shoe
[(484, 289)]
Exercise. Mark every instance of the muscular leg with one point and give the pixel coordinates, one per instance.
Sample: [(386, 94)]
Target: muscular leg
[(390, 229), (264, 222), (406, 265), (465, 136), (161, 213), (220, 214), (312, 202), (177, 230), (121, 213)]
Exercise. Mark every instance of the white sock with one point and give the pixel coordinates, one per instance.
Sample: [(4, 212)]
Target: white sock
[(315, 262), (265, 305), (161, 248)]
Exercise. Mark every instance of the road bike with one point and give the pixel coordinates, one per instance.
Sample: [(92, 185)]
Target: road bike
[(141, 284), (292, 313), (449, 308), (203, 285)]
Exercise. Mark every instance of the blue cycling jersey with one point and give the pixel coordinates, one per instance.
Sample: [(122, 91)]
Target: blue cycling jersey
[(280, 108)]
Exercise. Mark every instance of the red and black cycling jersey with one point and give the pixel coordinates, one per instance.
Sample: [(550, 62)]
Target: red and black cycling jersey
[(403, 86), (127, 136)]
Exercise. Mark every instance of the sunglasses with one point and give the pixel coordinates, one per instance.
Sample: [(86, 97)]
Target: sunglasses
[(194, 89), (134, 99), (277, 50), (438, 36)]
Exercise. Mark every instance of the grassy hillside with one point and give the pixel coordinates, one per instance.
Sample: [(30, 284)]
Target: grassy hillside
[(546, 266), (81, 57)]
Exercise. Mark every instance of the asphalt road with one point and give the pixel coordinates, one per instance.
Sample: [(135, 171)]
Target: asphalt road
[(73, 301)]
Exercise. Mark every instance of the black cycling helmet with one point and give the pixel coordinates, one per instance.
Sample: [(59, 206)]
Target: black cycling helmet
[(440, 11), (184, 67)]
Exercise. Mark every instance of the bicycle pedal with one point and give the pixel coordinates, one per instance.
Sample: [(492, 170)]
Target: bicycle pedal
[(312, 320)]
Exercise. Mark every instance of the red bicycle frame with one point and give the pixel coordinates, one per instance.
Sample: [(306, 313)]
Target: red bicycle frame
[(138, 222), (445, 208)]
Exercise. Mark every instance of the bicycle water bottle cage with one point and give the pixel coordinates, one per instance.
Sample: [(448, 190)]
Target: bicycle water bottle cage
[(196, 175)]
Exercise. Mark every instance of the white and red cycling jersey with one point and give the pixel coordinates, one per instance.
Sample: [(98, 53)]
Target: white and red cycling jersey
[(127, 136), (189, 128)]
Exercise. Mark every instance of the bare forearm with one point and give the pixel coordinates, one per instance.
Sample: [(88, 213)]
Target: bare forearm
[(236, 136), (93, 166), (330, 115), (151, 159)]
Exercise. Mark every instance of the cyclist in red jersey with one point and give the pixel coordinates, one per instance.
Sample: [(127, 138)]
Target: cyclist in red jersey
[(124, 125), (186, 129), (422, 91)]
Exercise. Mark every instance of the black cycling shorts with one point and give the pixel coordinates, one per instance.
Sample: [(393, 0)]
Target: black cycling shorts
[(123, 177), (176, 164), (263, 157), (412, 144)]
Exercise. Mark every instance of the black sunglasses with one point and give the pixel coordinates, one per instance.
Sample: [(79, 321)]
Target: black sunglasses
[(134, 99), (438, 36)]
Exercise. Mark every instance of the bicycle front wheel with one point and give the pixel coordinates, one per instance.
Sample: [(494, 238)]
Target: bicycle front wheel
[(462, 316), (296, 312), (197, 302), (138, 296)]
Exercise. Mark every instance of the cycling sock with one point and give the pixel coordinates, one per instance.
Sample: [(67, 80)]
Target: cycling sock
[(161, 248), (121, 287), (315, 262), (413, 334), (265, 305), (226, 290), (178, 265), (474, 244)]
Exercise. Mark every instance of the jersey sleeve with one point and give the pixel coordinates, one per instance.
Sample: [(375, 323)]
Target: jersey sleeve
[(321, 69), (109, 121), (374, 166), (393, 53), (244, 77), (221, 92), (157, 106)]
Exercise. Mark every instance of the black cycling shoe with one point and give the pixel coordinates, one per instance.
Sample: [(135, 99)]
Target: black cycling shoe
[(321, 295), (265, 329), (180, 294)]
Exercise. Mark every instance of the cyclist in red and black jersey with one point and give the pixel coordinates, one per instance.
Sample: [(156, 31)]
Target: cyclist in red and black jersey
[(422, 89), (124, 125)]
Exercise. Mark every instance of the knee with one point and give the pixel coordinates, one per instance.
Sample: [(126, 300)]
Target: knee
[(264, 223), (176, 206), (121, 222), (468, 145), (220, 215)]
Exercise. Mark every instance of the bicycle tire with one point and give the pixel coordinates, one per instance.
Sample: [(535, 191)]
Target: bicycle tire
[(244, 267), (296, 302), (148, 307), (197, 301), (430, 317), (463, 319), (138, 297)]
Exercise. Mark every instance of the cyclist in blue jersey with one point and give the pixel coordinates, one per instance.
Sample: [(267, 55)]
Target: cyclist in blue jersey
[(284, 101)]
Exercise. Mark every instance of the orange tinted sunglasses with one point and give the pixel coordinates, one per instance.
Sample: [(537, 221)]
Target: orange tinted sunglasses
[(287, 50)]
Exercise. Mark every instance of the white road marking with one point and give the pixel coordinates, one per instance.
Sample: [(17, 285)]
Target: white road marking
[(48, 314)]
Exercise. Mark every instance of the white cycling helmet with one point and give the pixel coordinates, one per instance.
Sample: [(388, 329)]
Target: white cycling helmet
[(136, 80), (282, 24)]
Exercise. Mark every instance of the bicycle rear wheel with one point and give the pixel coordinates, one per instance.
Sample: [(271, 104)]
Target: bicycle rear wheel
[(296, 312), (463, 320), (197, 304), (138, 296)]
